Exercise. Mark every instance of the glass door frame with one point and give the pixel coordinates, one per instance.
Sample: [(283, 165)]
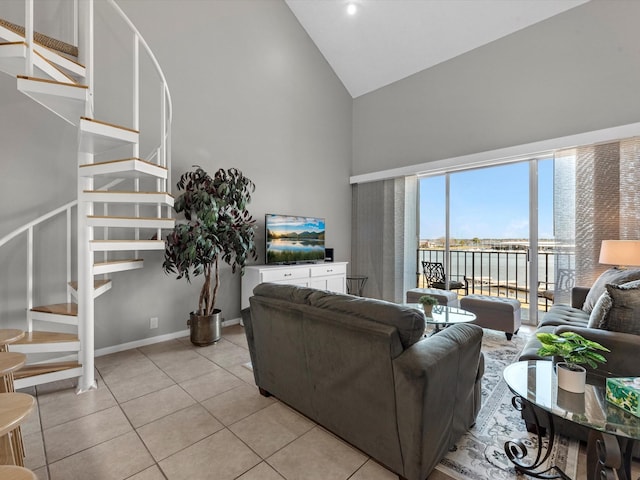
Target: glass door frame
[(532, 252)]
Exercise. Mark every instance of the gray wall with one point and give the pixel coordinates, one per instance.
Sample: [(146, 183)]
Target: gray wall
[(250, 90), (576, 72)]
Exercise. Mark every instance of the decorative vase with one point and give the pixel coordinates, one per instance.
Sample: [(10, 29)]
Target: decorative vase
[(571, 379), (571, 402), (205, 329), (427, 309)]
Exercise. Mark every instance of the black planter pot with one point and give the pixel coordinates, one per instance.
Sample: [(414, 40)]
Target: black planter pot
[(205, 329)]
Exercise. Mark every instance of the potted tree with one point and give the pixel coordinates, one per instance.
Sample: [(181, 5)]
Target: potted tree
[(428, 302), (216, 226), (575, 350)]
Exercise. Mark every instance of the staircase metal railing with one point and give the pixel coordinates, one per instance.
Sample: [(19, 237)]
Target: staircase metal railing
[(83, 26), (28, 230), (162, 153)]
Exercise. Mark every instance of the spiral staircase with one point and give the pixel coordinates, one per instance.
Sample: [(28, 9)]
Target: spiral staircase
[(99, 243)]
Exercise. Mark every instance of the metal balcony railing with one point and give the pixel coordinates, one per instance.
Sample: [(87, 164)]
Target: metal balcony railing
[(499, 272)]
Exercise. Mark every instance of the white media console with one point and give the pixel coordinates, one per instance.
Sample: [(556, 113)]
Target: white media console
[(324, 276)]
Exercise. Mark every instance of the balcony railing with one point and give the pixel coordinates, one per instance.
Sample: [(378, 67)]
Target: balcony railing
[(499, 272)]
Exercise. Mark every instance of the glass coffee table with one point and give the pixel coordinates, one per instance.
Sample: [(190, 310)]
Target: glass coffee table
[(443, 316), (612, 430)]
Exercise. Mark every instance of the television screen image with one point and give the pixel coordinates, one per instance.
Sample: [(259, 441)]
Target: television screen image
[(292, 239)]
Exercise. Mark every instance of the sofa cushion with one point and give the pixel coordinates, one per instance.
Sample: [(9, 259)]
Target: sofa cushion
[(624, 314), (560, 314), (290, 293), (612, 276), (600, 311), (409, 321)]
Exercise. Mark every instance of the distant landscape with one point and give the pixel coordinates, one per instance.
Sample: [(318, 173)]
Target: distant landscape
[(486, 243), (284, 234), (294, 247)]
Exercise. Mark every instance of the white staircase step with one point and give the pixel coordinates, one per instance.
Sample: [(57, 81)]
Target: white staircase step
[(124, 168), (100, 268), (40, 373), (70, 66), (53, 56), (99, 137), (64, 313), (12, 58), (113, 196), (130, 222), (67, 100), (50, 69), (125, 245), (39, 342), (12, 62), (99, 287)]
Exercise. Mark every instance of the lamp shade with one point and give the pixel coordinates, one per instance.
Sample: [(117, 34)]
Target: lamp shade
[(620, 252)]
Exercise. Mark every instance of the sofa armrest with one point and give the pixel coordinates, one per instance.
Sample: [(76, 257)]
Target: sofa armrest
[(432, 410), (578, 296), (622, 360)]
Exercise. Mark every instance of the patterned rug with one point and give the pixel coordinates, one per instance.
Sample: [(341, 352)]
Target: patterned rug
[(479, 455)]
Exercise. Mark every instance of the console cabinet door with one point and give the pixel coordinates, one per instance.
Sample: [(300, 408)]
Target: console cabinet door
[(323, 276)]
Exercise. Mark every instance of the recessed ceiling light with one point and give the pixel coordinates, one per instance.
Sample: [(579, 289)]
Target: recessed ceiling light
[(352, 8)]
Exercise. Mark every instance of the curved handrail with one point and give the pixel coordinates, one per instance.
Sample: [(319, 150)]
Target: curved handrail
[(24, 228)]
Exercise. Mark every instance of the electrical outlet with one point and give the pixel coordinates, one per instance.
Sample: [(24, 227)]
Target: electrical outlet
[(153, 322)]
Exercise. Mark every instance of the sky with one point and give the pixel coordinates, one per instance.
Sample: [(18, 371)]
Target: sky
[(284, 223), (487, 203)]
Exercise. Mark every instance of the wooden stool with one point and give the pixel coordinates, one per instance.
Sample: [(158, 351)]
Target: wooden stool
[(13, 472), (14, 407), (9, 335), (9, 363)]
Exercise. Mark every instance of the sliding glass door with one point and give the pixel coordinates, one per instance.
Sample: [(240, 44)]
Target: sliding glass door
[(483, 225)]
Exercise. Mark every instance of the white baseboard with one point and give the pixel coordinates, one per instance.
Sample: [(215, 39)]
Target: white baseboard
[(151, 340)]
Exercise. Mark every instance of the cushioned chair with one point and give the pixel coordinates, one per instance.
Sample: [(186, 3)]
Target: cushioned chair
[(434, 277), (565, 281)]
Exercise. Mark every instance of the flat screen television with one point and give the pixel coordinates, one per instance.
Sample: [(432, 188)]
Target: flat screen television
[(292, 239)]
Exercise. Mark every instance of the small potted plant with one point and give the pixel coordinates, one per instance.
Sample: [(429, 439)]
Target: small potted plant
[(216, 226), (428, 302), (575, 350)]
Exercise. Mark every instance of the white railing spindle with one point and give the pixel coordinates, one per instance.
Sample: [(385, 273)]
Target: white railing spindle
[(29, 277), (68, 254), (28, 35)]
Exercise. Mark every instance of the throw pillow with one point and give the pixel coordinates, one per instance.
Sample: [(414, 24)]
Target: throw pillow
[(598, 316), (624, 315), (613, 276)]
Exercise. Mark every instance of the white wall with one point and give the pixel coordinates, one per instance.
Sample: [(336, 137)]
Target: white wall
[(250, 90), (573, 73)]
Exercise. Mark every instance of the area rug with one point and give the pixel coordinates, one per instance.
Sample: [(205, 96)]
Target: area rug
[(479, 455)]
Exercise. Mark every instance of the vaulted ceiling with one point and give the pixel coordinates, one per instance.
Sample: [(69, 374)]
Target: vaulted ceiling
[(387, 40)]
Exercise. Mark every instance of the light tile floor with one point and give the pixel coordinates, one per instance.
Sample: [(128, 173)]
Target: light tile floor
[(175, 411)]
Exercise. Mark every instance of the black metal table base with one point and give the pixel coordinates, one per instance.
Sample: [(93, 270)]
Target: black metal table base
[(608, 456), (517, 452)]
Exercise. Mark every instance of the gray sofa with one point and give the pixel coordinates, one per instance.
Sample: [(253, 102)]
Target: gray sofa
[(587, 315), (579, 317), (363, 369)]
